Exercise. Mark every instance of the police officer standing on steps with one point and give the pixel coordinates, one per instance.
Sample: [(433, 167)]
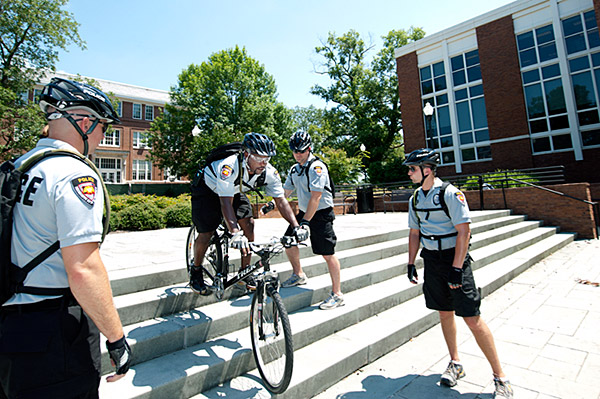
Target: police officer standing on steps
[(220, 193), (310, 178), (49, 344), (449, 286)]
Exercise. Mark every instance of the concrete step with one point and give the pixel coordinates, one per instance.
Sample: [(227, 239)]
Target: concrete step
[(165, 335), (164, 300), (134, 279), (349, 349), (161, 329)]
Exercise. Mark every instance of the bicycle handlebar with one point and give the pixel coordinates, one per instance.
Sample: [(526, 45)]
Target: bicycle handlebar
[(285, 241)]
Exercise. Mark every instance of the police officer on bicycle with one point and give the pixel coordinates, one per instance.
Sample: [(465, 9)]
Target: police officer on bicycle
[(439, 220), (220, 194), (49, 339)]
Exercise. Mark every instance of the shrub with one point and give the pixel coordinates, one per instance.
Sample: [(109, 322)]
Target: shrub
[(179, 214), (115, 221), (142, 216)]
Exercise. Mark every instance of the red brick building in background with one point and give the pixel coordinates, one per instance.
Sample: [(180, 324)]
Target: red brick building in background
[(122, 155), (518, 87)]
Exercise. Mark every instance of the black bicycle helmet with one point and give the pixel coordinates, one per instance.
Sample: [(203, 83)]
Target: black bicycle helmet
[(300, 141), (423, 156), (63, 94), (260, 144)]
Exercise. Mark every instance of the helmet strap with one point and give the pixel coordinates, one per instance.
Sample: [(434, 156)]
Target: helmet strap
[(84, 136), (423, 177)]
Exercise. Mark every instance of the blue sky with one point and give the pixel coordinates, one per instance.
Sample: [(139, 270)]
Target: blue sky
[(148, 43)]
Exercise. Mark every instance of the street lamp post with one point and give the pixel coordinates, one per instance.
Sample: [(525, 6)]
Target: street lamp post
[(428, 111)]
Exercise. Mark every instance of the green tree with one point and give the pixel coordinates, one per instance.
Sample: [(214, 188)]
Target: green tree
[(225, 97), (367, 109), (326, 143), (31, 33)]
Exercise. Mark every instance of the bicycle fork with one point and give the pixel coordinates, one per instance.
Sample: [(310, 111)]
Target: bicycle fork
[(267, 286)]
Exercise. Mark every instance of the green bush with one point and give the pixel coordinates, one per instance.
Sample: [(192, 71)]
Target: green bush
[(146, 212), (496, 178), (114, 223), (179, 214), (142, 216)]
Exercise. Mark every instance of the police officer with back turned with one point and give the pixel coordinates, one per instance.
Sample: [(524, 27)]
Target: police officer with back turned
[(49, 339)]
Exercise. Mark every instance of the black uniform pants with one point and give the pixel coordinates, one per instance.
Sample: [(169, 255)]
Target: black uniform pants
[(49, 354), (465, 301)]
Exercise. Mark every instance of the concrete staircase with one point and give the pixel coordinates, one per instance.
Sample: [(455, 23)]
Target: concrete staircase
[(187, 345)]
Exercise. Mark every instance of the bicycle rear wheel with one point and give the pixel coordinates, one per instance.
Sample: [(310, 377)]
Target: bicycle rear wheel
[(272, 340), (212, 259)]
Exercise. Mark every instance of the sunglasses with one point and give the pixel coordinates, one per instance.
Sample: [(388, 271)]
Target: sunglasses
[(260, 159), (412, 168), (299, 152)]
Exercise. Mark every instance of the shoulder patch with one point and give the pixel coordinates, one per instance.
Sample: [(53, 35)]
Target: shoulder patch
[(226, 172), (85, 188), (318, 170), (461, 197)]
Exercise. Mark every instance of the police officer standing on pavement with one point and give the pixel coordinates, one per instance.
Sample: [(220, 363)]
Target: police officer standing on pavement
[(219, 194), (49, 343), (449, 286), (310, 178)]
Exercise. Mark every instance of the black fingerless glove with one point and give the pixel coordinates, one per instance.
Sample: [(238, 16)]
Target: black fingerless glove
[(411, 272), (305, 222), (120, 353), (455, 276)]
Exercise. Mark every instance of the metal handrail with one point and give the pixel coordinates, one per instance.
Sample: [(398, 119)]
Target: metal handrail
[(594, 204)]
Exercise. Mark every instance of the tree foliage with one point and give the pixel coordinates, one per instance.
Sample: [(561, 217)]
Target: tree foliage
[(367, 107), (31, 33), (344, 168), (227, 96)]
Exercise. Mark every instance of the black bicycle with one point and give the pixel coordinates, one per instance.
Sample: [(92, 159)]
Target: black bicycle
[(269, 323)]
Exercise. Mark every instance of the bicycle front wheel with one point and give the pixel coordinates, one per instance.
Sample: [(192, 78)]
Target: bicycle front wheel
[(272, 340)]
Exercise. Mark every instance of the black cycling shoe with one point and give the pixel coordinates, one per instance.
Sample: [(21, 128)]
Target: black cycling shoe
[(197, 281)]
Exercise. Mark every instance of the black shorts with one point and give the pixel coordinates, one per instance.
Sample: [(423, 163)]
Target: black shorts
[(206, 208), (322, 236), (464, 301), (49, 354)]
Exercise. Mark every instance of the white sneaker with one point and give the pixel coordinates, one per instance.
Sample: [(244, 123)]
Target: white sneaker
[(295, 280), (332, 302)]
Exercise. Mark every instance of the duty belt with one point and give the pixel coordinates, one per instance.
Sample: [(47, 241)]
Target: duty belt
[(438, 238), (45, 305)]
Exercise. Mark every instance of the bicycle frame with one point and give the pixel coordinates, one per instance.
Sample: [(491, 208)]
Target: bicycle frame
[(223, 236)]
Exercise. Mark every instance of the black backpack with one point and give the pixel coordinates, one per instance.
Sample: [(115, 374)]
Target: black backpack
[(12, 276), (331, 187), (225, 151)]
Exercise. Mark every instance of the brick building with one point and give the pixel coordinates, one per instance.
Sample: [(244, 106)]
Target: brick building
[(121, 156), (518, 87)]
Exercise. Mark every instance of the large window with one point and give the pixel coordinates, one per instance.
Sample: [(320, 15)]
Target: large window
[(581, 32), (149, 115), (581, 37), (536, 46), (141, 170), (543, 89), (112, 138), (120, 109), (471, 115), (140, 140), (110, 169), (438, 129), (136, 112)]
